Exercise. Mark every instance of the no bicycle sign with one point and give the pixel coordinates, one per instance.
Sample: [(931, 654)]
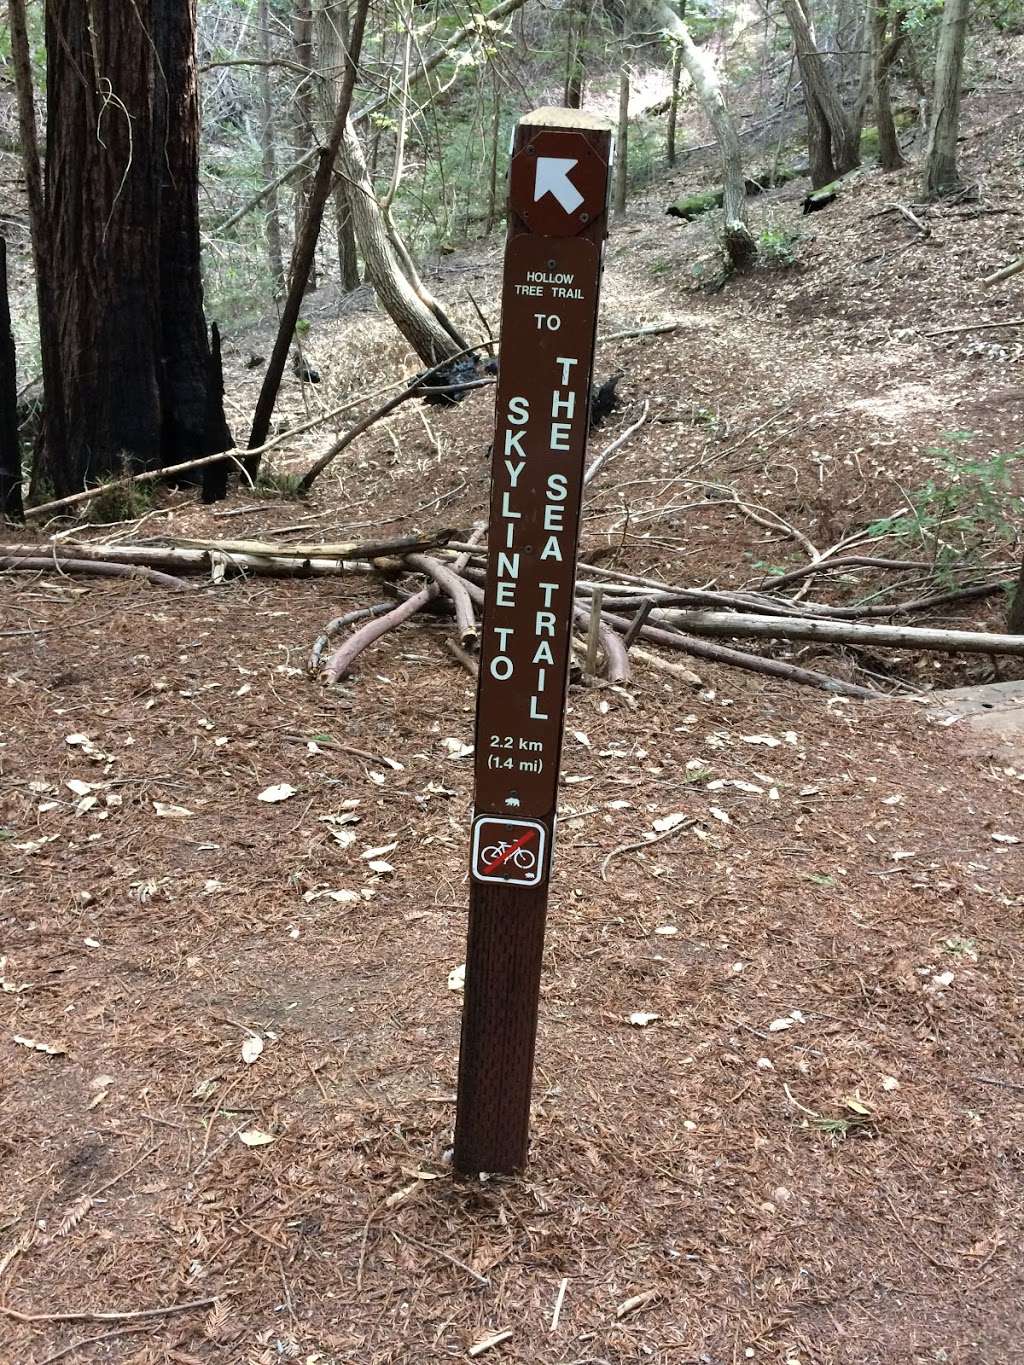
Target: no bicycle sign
[(558, 189)]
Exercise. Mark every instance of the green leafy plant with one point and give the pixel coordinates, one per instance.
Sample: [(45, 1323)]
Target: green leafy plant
[(776, 246), (967, 505)]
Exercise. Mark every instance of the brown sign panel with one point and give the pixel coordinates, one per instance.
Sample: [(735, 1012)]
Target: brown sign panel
[(549, 310), (558, 185)]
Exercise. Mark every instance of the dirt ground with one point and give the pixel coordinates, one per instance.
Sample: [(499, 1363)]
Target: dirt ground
[(230, 1044)]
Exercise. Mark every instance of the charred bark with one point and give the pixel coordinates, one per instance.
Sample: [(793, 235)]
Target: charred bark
[(130, 386), (10, 446)]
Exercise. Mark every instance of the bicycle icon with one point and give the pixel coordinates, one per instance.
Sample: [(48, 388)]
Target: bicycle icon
[(498, 855)]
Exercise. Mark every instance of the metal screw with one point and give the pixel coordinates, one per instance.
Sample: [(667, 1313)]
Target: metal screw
[(584, 217)]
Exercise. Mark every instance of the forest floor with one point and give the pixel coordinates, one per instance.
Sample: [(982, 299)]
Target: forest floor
[(811, 1151)]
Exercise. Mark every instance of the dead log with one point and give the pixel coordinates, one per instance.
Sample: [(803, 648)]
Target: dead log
[(744, 626)]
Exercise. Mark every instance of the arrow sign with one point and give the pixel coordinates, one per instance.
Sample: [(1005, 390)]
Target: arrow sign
[(553, 178)]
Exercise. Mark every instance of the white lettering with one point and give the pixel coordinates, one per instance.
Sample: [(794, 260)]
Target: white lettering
[(553, 515), (503, 632), (549, 320), (506, 511), (534, 713), (514, 470), (565, 363), (558, 487), (502, 668), (508, 566), (512, 439), (518, 410), (549, 590), (544, 623), (505, 595), (559, 436), (559, 404), (543, 654), (542, 674), (552, 548)]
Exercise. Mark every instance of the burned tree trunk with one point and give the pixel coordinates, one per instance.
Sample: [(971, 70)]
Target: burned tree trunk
[(10, 446), (103, 244), (122, 244), (190, 424)]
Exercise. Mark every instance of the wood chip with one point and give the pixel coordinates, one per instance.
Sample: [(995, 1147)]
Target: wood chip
[(631, 1304), (488, 1342)]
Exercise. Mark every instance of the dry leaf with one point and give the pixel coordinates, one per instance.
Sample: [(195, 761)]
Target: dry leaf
[(280, 792), (457, 978), (51, 1049), (74, 1216), (379, 866), (172, 812), (641, 1018), (252, 1049), (79, 787), (667, 822), (456, 748), (379, 852), (255, 1137)]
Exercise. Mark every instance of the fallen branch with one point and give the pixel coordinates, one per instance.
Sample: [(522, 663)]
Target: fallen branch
[(658, 329), (617, 444), (342, 659), (454, 588), (410, 391), (336, 626), (184, 559), (975, 327), (752, 663), (618, 669), (97, 567), (1014, 268), (127, 1316), (842, 632)]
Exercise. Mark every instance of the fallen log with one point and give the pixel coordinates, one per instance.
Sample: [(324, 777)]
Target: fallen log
[(742, 626), (98, 568), (752, 663), (189, 560)]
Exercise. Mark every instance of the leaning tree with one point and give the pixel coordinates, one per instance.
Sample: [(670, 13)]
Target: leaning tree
[(129, 377)]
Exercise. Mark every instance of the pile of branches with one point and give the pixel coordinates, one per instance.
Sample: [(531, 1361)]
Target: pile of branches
[(616, 613)]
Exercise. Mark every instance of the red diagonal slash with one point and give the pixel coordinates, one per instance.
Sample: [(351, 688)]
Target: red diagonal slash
[(512, 848)]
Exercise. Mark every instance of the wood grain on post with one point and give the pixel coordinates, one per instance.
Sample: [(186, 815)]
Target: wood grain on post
[(558, 192)]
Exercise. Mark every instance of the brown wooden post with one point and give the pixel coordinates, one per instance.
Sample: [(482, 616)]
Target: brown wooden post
[(558, 193)]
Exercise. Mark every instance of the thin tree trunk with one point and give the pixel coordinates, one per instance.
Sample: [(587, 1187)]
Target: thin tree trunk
[(417, 323), (332, 40), (622, 144), (305, 246), (832, 146), (492, 171), (887, 34), (865, 77), (304, 125), (941, 173), (575, 64), (10, 445), (49, 341), (268, 150), (673, 107)]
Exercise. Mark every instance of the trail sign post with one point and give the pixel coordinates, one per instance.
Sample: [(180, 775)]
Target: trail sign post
[(558, 189)]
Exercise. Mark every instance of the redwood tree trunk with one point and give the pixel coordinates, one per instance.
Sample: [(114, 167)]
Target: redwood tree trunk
[(268, 152), (333, 41), (102, 220), (190, 426), (305, 108), (122, 248)]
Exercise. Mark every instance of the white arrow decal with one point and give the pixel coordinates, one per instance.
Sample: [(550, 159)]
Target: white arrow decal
[(553, 178)]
